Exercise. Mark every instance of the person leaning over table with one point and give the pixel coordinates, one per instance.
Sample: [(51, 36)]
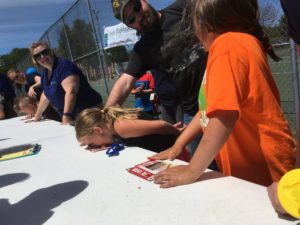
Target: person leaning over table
[(98, 128), (64, 85), (291, 9), (240, 115), (167, 47)]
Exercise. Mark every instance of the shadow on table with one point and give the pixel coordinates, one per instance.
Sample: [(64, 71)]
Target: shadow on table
[(12, 178), (288, 217), (37, 207)]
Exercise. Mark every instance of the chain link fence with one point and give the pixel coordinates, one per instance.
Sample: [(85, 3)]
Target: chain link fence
[(78, 36), (286, 78)]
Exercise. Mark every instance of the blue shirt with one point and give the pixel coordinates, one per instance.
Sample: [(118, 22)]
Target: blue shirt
[(53, 90)]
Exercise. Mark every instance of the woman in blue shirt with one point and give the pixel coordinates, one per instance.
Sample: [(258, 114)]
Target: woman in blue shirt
[(64, 85)]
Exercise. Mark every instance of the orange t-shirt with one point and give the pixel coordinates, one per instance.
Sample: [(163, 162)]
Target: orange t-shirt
[(261, 147)]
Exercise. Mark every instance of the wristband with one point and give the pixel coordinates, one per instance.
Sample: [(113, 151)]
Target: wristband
[(67, 114)]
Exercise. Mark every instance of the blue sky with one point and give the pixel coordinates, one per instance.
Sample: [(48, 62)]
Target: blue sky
[(24, 21)]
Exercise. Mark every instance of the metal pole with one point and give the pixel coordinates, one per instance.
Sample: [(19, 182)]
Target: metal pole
[(295, 82), (67, 39), (98, 47), (48, 40)]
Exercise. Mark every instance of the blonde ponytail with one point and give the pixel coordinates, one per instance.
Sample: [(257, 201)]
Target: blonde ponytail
[(92, 117)]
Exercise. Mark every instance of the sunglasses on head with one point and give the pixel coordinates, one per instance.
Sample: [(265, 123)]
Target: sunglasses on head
[(136, 8), (39, 55)]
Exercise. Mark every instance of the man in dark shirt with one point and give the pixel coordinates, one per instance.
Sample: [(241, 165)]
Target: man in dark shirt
[(291, 9), (164, 47)]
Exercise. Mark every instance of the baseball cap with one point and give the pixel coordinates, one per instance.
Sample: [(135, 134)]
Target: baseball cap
[(31, 70), (118, 8), (289, 192)]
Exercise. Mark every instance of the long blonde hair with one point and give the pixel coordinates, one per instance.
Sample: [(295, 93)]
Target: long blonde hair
[(92, 117)]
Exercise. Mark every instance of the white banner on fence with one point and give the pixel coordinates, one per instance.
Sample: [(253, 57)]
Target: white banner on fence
[(119, 35)]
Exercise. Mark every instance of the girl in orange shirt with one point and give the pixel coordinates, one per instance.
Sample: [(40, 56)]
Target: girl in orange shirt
[(240, 116)]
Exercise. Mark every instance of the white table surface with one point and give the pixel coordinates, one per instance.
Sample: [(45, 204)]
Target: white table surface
[(15, 131), (66, 185)]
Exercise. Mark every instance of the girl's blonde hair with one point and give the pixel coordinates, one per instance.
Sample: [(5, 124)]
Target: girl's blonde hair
[(221, 16), (92, 117)]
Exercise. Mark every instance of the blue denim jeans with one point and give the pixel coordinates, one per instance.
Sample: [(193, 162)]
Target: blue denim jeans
[(187, 118)]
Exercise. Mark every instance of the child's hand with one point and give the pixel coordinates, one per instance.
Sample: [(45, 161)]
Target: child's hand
[(29, 116), (174, 176), (171, 153), (31, 92), (179, 126)]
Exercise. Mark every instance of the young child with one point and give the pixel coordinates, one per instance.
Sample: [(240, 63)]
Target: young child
[(240, 115), (28, 105), (97, 128), (142, 90)]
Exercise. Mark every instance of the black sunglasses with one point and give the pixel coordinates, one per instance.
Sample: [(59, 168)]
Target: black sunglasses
[(136, 8), (39, 55)]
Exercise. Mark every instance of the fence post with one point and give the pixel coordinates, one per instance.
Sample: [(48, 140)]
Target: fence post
[(295, 82), (67, 39), (100, 54)]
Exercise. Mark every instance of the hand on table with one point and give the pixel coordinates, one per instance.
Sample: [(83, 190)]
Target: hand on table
[(175, 176), (179, 126), (27, 117), (38, 117), (31, 92), (170, 153), (67, 120)]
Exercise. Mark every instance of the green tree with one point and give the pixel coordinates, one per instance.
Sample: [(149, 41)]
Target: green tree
[(117, 54), (81, 39), (63, 50), (10, 60)]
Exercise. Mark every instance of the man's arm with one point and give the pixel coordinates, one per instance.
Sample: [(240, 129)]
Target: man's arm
[(120, 90)]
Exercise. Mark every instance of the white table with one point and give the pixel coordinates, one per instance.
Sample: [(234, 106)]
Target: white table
[(65, 185), (16, 131)]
